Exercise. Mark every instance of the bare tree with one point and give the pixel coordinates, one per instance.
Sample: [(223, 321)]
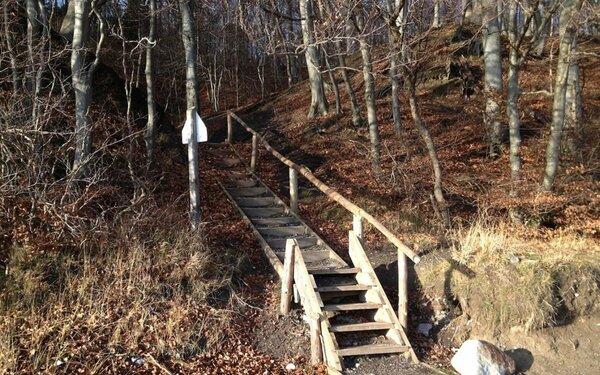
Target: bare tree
[(318, 105), (567, 33), (149, 72)]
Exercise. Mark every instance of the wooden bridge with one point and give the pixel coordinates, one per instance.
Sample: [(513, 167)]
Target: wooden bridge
[(348, 311)]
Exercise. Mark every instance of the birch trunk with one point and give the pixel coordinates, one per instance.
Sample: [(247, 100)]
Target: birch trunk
[(573, 106), (191, 93), (512, 109), (318, 105), (149, 72), (492, 56), (365, 51), (396, 9), (567, 32)]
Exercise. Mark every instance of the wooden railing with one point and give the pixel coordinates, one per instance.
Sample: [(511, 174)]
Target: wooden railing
[(358, 213)]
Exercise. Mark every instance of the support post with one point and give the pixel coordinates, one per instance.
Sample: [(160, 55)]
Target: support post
[(294, 190), (194, 177), (287, 282), (316, 350), (402, 289), (254, 157), (229, 128), (357, 226)]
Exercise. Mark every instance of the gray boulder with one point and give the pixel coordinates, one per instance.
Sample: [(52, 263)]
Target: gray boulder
[(478, 357)]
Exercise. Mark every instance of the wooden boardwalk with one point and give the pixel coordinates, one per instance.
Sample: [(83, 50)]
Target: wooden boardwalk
[(349, 312)]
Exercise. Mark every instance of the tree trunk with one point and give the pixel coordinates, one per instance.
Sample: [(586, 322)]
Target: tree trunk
[(149, 72), (318, 105), (573, 107), (540, 43), (442, 205), (396, 10), (438, 17), (16, 81), (191, 93), (567, 34), (353, 102), (334, 85), (512, 109), (365, 51), (81, 81), (492, 57)]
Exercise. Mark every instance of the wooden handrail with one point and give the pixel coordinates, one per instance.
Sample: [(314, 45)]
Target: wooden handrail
[(331, 193)]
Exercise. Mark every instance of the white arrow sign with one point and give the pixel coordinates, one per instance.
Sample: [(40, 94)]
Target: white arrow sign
[(201, 131)]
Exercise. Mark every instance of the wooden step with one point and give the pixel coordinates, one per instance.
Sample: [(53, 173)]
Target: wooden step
[(256, 202), (352, 306), (228, 162), (309, 256), (287, 231), (333, 271), (247, 192), (304, 242), (242, 183), (343, 288), (264, 212), (357, 327), (372, 349), (275, 221)]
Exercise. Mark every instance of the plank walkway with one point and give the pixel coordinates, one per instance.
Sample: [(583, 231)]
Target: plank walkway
[(354, 314)]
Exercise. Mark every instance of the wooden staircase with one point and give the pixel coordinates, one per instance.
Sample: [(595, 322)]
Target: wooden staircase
[(347, 301)]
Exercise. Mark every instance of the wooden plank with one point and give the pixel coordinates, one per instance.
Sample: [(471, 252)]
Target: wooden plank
[(402, 290), (287, 231), (343, 288), (265, 212), (243, 182), (293, 190), (357, 327), (351, 306), (247, 192), (309, 256), (229, 129), (334, 271), (304, 242), (287, 281), (372, 349), (256, 202), (316, 349), (283, 221), (254, 156)]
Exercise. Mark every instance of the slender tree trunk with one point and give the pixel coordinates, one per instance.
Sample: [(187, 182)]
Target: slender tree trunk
[(514, 122), (334, 85), (191, 93), (540, 43), (395, 9), (438, 17), (567, 32), (16, 81), (438, 193), (573, 106), (492, 57), (365, 51), (318, 105), (149, 72), (81, 81)]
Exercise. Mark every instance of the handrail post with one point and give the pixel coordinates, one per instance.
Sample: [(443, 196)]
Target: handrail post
[(316, 349), (357, 226), (254, 157), (229, 128), (294, 190), (287, 282), (402, 288)]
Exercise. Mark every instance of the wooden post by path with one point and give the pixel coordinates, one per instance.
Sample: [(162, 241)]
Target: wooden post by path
[(254, 157), (316, 350), (294, 190), (357, 226), (194, 176), (402, 289), (287, 282), (229, 129)]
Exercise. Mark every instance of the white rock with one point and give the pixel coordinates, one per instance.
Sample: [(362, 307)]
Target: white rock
[(58, 363), (478, 357), (290, 367)]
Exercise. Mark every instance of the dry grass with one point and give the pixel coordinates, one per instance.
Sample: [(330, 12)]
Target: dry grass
[(504, 281), (92, 310)]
